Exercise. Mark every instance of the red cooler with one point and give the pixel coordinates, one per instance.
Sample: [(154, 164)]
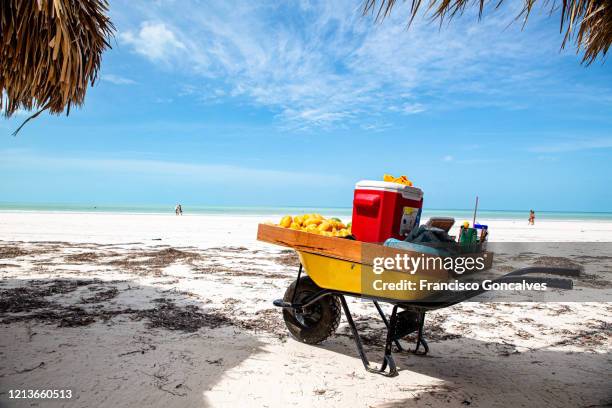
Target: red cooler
[(383, 210)]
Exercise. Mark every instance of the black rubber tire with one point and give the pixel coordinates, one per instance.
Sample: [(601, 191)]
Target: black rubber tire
[(319, 320)]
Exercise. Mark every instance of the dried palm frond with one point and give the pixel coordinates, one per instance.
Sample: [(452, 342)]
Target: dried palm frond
[(588, 23), (50, 51)]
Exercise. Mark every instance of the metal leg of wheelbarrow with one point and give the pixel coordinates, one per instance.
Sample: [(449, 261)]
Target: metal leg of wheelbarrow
[(297, 285), (384, 319), (387, 359), (420, 340)]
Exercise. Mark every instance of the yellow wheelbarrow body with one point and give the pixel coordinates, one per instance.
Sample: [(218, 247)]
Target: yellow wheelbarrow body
[(346, 265), (360, 279)]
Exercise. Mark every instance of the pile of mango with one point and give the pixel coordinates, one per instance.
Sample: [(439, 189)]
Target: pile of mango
[(316, 224), (401, 179)]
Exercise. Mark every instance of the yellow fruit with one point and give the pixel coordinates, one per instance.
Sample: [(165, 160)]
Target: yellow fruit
[(312, 221), (324, 226), (286, 221), (315, 224), (401, 179)]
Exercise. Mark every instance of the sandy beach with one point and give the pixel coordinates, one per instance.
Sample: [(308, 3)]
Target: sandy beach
[(277, 204), (158, 310), (204, 231)]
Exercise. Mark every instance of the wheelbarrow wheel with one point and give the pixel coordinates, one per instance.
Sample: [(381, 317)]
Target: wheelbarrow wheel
[(316, 322)]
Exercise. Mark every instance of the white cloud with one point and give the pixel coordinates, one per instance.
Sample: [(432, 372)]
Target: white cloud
[(154, 41), (448, 158), (322, 63), (117, 80), (409, 108)]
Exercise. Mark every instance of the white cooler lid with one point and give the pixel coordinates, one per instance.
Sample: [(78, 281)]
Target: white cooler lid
[(412, 193)]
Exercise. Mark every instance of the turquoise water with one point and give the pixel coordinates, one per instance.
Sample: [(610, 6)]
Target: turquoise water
[(330, 211)]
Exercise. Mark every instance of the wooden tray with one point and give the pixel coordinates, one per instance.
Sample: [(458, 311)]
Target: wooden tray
[(346, 249), (339, 248)]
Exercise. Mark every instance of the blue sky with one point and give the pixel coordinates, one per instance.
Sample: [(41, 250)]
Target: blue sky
[(274, 104)]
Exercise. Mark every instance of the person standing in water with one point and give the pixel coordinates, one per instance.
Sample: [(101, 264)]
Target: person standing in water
[(531, 217)]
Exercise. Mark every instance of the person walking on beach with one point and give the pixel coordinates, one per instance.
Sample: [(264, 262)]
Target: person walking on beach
[(178, 210), (531, 217)]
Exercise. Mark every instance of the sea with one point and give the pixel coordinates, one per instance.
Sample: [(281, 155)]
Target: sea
[(344, 212)]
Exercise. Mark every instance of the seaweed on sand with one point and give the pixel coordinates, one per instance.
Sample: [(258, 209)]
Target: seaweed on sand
[(102, 296), (82, 257), (27, 298), (31, 303), (11, 251), (153, 260), (288, 258), (556, 261), (188, 318)]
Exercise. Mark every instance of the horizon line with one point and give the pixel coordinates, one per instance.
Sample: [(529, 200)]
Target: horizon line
[(221, 206)]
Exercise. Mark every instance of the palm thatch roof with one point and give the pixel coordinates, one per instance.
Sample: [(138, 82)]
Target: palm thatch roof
[(588, 23), (50, 51)]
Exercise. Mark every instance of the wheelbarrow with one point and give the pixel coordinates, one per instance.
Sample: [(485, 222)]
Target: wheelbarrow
[(333, 268)]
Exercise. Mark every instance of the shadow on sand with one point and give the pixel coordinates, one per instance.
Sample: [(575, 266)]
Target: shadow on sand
[(473, 372), (113, 344)]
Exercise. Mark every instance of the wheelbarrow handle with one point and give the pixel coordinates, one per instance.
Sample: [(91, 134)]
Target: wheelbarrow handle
[(548, 270), (557, 283), (518, 275)]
